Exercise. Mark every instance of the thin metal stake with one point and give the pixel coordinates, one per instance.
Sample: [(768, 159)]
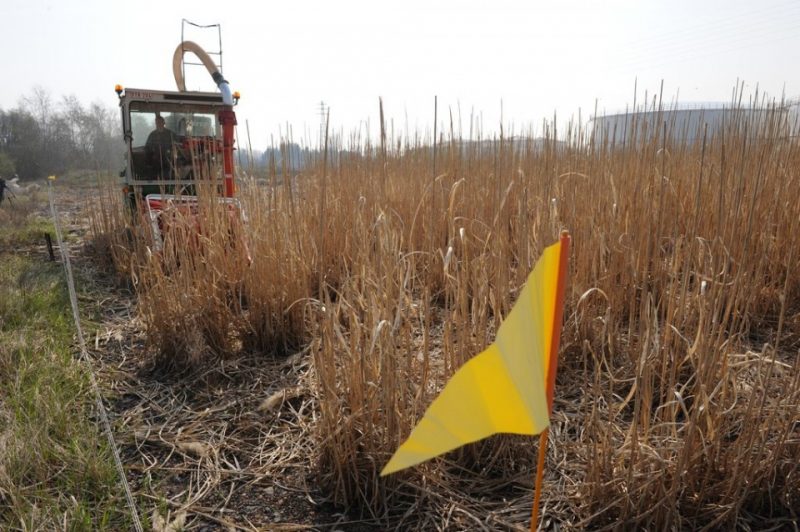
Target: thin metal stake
[(49, 242)]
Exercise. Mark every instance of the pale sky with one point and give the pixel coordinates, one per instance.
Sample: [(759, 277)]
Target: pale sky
[(284, 57)]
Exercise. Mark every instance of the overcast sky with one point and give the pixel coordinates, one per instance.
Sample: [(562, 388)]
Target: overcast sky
[(284, 57)]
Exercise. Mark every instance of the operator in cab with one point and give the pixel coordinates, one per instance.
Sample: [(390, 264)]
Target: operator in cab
[(159, 148)]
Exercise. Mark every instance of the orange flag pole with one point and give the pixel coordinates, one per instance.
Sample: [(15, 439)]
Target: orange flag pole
[(551, 372)]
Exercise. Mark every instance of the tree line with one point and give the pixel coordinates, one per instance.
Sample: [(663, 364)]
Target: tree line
[(44, 135)]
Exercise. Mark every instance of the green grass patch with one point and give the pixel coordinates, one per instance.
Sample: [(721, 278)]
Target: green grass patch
[(56, 469), (30, 233), (23, 222)]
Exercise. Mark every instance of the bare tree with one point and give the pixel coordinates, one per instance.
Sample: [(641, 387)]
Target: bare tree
[(42, 138)]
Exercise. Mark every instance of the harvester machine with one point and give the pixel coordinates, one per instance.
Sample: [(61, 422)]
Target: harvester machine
[(180, 145)]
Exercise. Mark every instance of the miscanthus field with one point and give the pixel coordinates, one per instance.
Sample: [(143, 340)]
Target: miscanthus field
[(386, 264)]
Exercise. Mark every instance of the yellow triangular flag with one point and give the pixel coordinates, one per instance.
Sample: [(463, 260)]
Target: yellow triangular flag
[(502, 389)]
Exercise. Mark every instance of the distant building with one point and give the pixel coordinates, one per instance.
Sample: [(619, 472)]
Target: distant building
[(686, 123)]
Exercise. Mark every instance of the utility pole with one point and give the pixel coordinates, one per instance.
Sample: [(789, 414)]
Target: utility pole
[(323, 118)]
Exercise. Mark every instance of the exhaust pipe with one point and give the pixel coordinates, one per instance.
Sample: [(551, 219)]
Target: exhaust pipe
[(216, 75)]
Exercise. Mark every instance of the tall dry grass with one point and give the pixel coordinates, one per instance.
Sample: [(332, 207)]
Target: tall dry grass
[(677, 402)]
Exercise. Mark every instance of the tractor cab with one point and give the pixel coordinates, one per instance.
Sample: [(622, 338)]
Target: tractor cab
[(173, 140)]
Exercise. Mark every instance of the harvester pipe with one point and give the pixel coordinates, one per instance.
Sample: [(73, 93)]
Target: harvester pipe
[(177, 62), (227, 117), (177, 71)]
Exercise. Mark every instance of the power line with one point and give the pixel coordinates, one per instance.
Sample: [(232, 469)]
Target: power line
[(759, 15), (700, 39), (689, 53)]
